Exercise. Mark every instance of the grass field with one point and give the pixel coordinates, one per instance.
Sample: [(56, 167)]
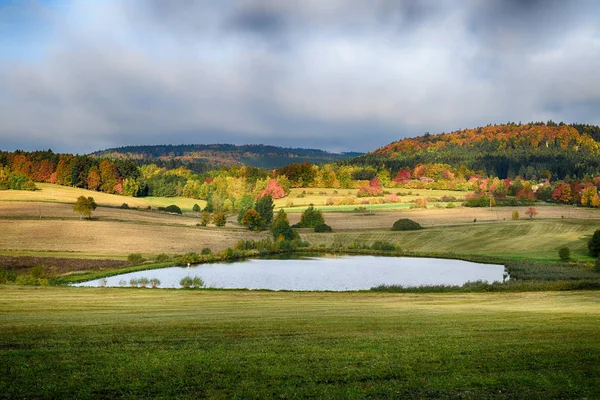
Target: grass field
[(84, 343)]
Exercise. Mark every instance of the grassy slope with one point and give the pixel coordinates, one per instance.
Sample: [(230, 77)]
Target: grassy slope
[(537, 239), (65, 194), (78, 343)]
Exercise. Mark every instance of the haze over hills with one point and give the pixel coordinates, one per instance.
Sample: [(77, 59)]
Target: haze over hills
[(529, 150), (255, 155)]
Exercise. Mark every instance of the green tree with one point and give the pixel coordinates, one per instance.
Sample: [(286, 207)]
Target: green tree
[(196, 208), (84, 206), (264, 206), (281, 227), (243, 204), (564, 253), (311, 217), (594, 244)]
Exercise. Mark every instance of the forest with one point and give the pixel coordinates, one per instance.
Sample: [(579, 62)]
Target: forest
[(507, 163), (202, 157)]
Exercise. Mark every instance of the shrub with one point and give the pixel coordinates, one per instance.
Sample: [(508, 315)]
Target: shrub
[(197, 282), (29, 185), (186, 282), (135, 258), (383, 246), (594, 244), (450, 205), (143, 281), (190, 258), (125, 206), (173, 209), (204, 218), (515, 215), (564, 254), (133, 282), (322, 228), (420, 203), (7, 276), (162, 257), (196, 208), (154, 283), (405, 224), (206, 251), (219, 219)]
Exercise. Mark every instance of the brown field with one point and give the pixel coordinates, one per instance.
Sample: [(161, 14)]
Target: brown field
[(440, 217)]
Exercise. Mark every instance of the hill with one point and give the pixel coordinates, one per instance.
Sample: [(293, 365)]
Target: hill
[(529, 150), (261, 156)]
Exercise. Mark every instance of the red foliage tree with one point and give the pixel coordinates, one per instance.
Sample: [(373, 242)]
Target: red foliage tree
[(403, 176), (273, 189)]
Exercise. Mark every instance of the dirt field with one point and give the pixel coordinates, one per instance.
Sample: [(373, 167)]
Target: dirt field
[(57, 265), (114, 238)]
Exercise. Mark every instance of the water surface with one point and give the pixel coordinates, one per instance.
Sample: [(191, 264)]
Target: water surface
[(336, 273)]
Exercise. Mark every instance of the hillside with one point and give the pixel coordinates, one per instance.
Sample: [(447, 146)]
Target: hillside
[(534, 149), (261, 156)]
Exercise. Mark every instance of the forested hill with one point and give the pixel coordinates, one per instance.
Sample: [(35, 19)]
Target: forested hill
[(529, 150), (261, 156)]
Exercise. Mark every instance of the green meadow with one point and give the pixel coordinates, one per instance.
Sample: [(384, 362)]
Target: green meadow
[(58, 342)]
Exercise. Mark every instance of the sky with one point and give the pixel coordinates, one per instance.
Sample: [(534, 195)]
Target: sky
[(84, 75)]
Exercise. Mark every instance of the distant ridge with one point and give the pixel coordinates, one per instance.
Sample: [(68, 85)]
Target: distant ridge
[(255, 155), (529, 150)]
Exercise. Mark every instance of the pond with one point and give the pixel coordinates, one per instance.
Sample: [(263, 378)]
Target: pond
[(335, 273)]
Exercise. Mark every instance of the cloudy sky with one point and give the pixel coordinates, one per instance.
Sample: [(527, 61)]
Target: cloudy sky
[(83, 75)]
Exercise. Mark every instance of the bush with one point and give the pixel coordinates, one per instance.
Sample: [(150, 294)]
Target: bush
[(196, 208), (450, 205), (7, 276), (206, 251), (135, 258), (515, 215), (219, 219), (197, 282), (594, 244), (322, 228), (173, 209), (125, 206), (162, 257), (383, 246), (405, 224), (154, 282), (564, 254), (189, 258), (186, 282), (204, 218)]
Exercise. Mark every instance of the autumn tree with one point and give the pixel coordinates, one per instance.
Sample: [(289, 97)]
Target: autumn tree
[(590, 198), (84, 206), (273, 189), (531, 212), (93, 178), (563, 193), (252, 220), (219, 219)]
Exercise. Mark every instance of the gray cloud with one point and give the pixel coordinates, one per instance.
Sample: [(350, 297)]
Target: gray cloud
[(327, 74)]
